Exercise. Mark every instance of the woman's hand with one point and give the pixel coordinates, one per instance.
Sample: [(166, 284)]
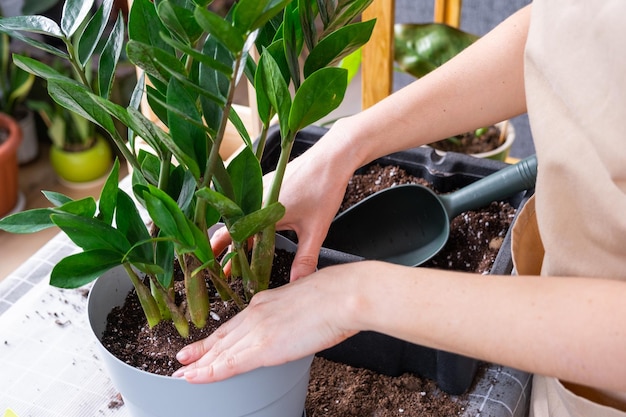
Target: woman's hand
[(278, 326)]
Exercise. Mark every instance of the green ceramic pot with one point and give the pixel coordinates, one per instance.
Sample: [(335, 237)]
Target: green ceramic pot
[(82, 167)]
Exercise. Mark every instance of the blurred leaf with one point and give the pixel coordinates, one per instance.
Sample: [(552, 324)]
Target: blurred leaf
[(420, 48)]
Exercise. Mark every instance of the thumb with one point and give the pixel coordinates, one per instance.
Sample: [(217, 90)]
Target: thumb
[(305, 261)]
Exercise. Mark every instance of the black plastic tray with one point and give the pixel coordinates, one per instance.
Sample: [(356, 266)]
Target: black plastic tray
[(453, 373)]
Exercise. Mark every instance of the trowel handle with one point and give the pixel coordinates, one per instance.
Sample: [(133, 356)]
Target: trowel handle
[(501, 184)]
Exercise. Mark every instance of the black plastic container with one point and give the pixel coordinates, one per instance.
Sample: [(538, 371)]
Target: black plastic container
[(387, 355)]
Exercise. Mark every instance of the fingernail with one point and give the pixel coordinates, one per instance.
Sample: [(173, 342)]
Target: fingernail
[(182, 355), (191, 374), (179, 373)]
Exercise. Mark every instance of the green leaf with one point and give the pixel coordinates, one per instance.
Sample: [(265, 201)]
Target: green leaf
[(93, 32), (110, 57), (79, 269), (254, 222), (33, 24), (321, 93), (339, 44), (189, 138), (180, 21), (29, 221), (168, 216), (250, 15), (420, 48), (247, 179), (228, 209), (307, 22), (221, 29), (55, 198), (292, 41), (40, 69), (79, 100), (144, 25), (269, 82), (346, 12), (154, 61), (108, 195), (130, 224), (74, 13), (91, 234)]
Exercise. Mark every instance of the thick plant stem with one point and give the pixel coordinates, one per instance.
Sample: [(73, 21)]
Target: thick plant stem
[(165, 300), (263, 250), (196, 292), (148, 304)]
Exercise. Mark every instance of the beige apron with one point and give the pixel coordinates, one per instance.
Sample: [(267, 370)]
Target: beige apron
[(575, 70)]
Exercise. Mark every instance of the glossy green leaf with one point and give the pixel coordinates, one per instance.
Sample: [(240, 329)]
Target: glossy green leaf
[(74, 14), (269, 81), (221, 29), (154, 60), (90, 234), (189, 138), (79, 100), (40, 69), (250, 15), (256, 221), (108, 195), (229, 210), (55, 198), (128, 221), (345, 13), (420, 48), (33, 24), (90, 38), (110, 57), (168, 216), (339, 44), (202, 58), (292, 41), (82, 268), (144, 25), (307, 22), (180, 21), (247, 178), (35, 220), (321, 93)]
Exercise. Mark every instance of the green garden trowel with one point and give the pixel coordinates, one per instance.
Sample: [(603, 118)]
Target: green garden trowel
[(409, 224)]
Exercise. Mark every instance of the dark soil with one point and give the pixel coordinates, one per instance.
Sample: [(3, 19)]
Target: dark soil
[(335, 389), (487, 140)]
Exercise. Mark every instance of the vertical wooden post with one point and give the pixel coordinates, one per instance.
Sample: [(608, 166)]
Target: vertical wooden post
[(448, 12), (377, 58)]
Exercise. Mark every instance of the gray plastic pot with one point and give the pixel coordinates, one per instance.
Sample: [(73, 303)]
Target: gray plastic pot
[(264, 392)]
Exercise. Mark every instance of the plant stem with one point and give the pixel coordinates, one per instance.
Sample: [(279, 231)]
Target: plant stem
[(196, 291), (148, 303)]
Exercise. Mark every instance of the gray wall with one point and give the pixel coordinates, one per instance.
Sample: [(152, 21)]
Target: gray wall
[(478, 17)]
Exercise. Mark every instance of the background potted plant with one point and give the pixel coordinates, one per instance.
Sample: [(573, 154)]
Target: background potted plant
[(10, 139), (193, 59), (419, 49), (15, 85), (79, 155)]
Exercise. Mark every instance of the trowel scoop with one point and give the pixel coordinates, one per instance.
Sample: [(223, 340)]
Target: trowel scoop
[(409, 224)]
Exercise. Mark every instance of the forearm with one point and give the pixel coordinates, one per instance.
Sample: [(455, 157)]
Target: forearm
[(482, 85), (570, 328)]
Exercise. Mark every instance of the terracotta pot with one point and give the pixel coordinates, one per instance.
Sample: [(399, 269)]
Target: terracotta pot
[(82, 168), (9, 187)]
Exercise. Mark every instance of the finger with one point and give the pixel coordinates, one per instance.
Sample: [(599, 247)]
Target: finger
[(305, 261), (220, 240)]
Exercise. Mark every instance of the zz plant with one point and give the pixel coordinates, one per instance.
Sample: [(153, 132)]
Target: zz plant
[(192, 59)]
